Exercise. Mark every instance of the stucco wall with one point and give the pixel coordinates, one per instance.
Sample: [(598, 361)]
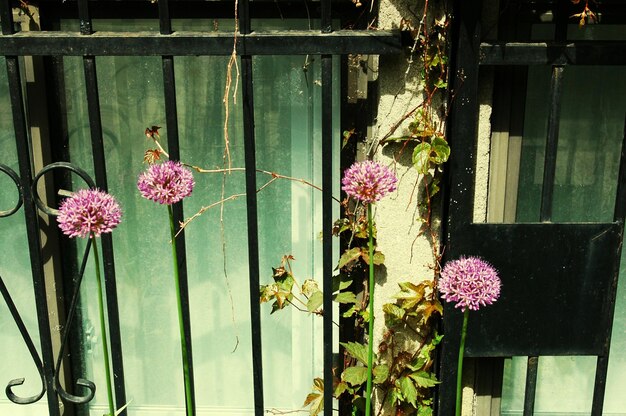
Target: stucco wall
[(409, 256)]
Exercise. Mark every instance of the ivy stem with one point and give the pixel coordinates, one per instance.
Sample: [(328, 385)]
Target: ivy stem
[(459, 371), (103, 329), (370, 330), (183, 342)]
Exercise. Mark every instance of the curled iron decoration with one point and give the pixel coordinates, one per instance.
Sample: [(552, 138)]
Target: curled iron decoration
[(66, 330), (81, 382), (15, 313), (57, 165), (31, 348), (16, 180)]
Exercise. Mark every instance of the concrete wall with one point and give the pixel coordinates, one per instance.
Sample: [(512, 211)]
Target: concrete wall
[(409, 256)]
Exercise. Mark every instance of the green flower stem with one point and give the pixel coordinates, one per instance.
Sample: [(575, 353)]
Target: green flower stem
[(459, 371), (370, 331), (183, 342), (103, 329)]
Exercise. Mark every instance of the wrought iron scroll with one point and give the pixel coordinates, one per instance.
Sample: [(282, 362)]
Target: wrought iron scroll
[(16, 315), (20, 198), (66, 331), (81, 382)]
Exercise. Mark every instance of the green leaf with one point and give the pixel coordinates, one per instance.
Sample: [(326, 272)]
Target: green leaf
[(435, 61), (349, 256), (355, 376), (425, 411), (340, 389), (379, 258), (358, 351), (441, 83), (341, 282), (409, 392), (121, 409), (309, 286), (441, 150), (354, 309), (365, 314), (417, 364), (381, 373), (315, 400), (394, 312), (433, 187), (410, 296), (421, 157), (424, 379), (315, 301), (345, 297)]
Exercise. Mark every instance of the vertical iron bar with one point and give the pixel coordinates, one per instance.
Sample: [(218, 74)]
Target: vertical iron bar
[(327, 225), (602, 367), (97, 145), (326, 16), (459, 176), (327, 209), (602, 364), (30, 211), (165, 23), (6, 17), (31, 218), (531, 386), (620, 201), (251, 209), (549, 169), (173, 145)]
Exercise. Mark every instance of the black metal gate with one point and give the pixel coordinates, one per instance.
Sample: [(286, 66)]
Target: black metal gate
[(55, 44), (559, 279)]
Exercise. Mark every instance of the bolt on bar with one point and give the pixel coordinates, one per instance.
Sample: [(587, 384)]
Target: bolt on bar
[(95, 123)]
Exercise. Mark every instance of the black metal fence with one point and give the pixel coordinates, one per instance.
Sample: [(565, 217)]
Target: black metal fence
[(537, 315), (89, 45)]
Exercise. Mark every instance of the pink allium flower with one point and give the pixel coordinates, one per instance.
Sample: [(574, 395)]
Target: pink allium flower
[(166, 183), (89, 211), (368, 181), (471, 282)]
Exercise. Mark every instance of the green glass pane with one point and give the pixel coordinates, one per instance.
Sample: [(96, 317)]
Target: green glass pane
[(287, 111)]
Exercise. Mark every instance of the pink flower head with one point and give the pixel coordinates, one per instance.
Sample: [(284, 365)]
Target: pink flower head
[(89, 211), (471, 282), (166, 183), (368, 181)]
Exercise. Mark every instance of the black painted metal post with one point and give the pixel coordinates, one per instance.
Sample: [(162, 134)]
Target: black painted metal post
[(251, 210), (327, 209), (549, 170), (173, 144), (531, 386), (97, 144), (30, 211), (463, 122), (602, 364)]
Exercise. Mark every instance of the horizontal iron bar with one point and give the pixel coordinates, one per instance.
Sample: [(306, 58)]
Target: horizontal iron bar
[(572, 53), (200, 43)]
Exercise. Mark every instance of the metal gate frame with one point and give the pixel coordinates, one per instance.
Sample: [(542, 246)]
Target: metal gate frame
[(168, 44), (592, 249)]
